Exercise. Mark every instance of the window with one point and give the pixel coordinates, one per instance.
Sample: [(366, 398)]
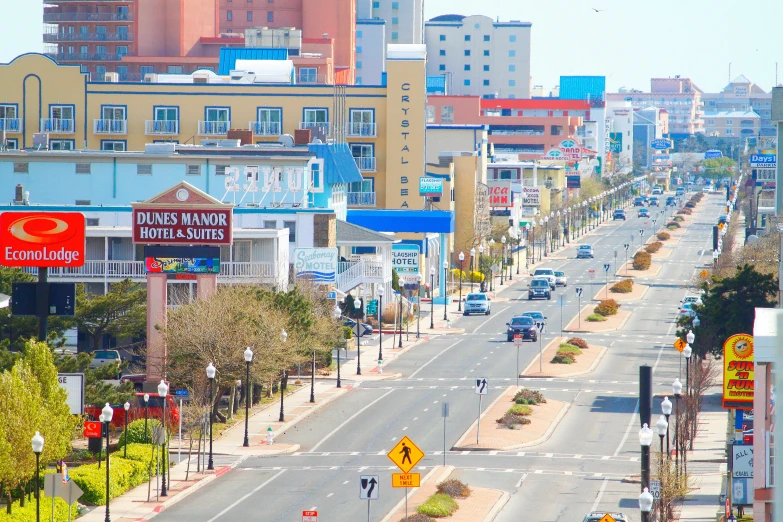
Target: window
[(100, 50), (430, 114), (486, 67), (83, 168), (146, 69), (21, 168), (100, 72), (486, 52), (250, 16), (443, 38), (512, 83), (364, 154), (315, 118), (316, 178), (174, 69), (358, 80), (486, 83), (122, 50), (242, 251), (166, 113), (112, 119), (220, 170), (512, 68), (291, 226), (447, 114), (144, 170), (221, 114), (512, 53), (358, 65), (61, 118), (358, 49), (8, 119), (467, 37), (358, 34), (442, 52), (270, 224), (512, 38), (395, 20), (229, 15), (729, 122), (466, 83), (194, 170), (395, 5), (122, 72), (362, 122), (486, 37), (268, 122), (467, 52), (376, 5), (308, 75), (270, 16), (442, 67), (217, 120), (556, 130), (395, 36), (113, 145), (729, 131), (466, 67), (61, 145)]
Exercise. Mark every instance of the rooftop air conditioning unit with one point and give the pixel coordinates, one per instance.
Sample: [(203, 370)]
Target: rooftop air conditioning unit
[(150, 78), (111, 77)]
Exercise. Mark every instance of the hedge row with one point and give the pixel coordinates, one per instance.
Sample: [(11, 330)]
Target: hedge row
[(653, 247), (607, 307), (27, 513), (622, 287), (642, 261)]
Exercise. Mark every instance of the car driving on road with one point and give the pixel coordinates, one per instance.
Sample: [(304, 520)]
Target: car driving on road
[(561, 279), (539, 289), (538, 317), (619, 214), (522, 325), (638, 202), (477, 303), (548, 274), (643, 212), (584, 252), (686, 310), (654, 202)]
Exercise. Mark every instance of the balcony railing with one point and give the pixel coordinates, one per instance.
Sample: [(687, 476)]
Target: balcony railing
[(58, 125), (362, 129), (312, 124), (110, 127), (265, 128), (365, 164), (118, 270), (361, 199), (164, 127), (213, 128), (313, 79), (88, 57), (87, 37), (10, 124), (87, 17)]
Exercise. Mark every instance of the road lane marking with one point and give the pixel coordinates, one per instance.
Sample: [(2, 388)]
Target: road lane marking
[(436, 356), (241, 499), (349, 419), (600, 494), (489, 319)]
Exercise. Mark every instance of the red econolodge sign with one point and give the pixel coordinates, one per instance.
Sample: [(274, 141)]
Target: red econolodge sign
[(42, 239), (182, 226), (92, 429)]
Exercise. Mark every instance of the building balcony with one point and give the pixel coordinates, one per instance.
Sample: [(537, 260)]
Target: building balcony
[(311, 125), (161, 127), (213, 128), (365, 164), (49, 18), (11, 125), (361, 199), (311, 79), (88, 57), (265, 128), (367, 130), (87, 37), (110, 127), (58, 126)]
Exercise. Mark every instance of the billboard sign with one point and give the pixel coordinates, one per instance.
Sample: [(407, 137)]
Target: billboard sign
[(713, 154), (319, 265), (742, 461), (616, 139), (763, 161), (573, 181), (571, 149), (182, 265), (500, 193), (160, 225), (405, 260), (531, 196), (661, 144), (738, 369), (42, 239), (73, 384), (431, 187)]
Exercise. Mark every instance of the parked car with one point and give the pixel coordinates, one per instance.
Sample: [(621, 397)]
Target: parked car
[(539, 289), (657, 191), (597, 516), (584, 252), (538, 317), (671, 201), (477, 303), (561, 279), (693, 299), (654, 202), (138, 410), (638, 202), (136, 378), (548, 274), (522, 325), (706, 189), (686, 310), (680, 191), (619, 214), (102, 358), (643, 212)]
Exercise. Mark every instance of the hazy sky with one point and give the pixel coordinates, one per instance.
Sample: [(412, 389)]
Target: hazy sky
[(629, 41)]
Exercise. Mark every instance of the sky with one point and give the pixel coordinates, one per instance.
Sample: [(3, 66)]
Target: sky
[(628, 41)]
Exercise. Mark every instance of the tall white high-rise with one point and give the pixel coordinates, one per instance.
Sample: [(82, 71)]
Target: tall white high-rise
[(479, 56), (404, 18)]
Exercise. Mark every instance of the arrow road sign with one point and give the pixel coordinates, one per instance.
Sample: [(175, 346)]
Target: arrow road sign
[(368, 487), (481, 387), (54, 486), (579, 292), (607, 266)]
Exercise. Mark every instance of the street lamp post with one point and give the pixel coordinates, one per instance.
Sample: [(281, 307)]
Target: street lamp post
[(645, 439), (146, 416), (312, 379), (481, 253), (126, 406), (445, 294), (380, 320), (38, 444), (461, 271), (163, 391), (420, 278), (432, 297), (546, 234), (677, 390), (666, 409), (248, 354), (491, 266), (337, 314), (626, 246), (357, 306), (470, 268), (211, 372), (107, 413), (281, 418), (645, 504), (502, 259), (519, 248), (662, 427), (687, 352)]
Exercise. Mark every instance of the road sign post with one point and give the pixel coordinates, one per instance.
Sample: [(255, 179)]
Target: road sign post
[(405, 450), (579, 298), (369, 490), (540, 329), (518, 343), (445, 414), (607, 266), (309, 516), (561, 302), (481, 390), (655, 489)]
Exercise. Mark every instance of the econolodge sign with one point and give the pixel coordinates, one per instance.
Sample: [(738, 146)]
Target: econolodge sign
[(42, 239)]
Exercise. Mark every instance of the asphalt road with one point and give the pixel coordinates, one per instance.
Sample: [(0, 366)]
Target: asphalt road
[(579, 469)]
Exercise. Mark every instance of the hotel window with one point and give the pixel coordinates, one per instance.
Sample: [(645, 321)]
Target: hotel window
[(486, 83), (358, 34), (269, 122), (395, 20), (486, 52), (7, 112), (358, 65), (122, 50), (512, 83), (376, 5), (486, 67), (270, 16), (358, 49), (61, 144), (229, 15), (486, 37), (250, 16), (443, 38), (113, 145), (308, 75), (447, 114), (146, 69), (358, 80), (100, 72), (174, 69), (291, 226), (430, 114), (122, 72), (442, 67), (467, 67), (442, 52), (395, 35), (364, 155), (467, 37), (100, 50), (512, 53), (395, 5), (316, 117), (270, 224), (512, 38), (12, 143), (467, 52), (466, 83)]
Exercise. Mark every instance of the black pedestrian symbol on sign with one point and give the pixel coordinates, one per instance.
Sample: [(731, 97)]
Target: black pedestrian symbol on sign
[(406, 453)]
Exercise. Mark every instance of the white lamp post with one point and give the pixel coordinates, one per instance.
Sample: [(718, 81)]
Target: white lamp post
[(211, 372), (646, 504), (126, 406), (107, 413), (645, 439), (38, 444), (163, 391), (248, 355)]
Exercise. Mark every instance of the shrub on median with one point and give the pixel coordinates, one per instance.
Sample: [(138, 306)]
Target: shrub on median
[(579, 342), (569, 348), (520, 409), (672, 225), (416, 517), (563, 358), (622, 287), (607, 307), (438, 505), (663, 236), (595, 318), (679, 219), (641, 261), (685, 211), (454, 488), (27, 513), (653, 247), (532, 397), (690, 204)]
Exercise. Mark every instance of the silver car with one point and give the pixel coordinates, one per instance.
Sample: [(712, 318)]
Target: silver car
[(477, 303), (561, 279)]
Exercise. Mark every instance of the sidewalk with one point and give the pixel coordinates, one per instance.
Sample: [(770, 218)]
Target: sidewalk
[(702, 503)]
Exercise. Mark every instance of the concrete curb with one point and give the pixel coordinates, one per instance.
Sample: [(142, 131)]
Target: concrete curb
[(447, 470), (504, 498), (535, 359), (457, 447)]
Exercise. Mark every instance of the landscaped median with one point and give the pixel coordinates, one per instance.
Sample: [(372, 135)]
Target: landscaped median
[(624, 290), (517, 419), (583, 359), (604, 317)]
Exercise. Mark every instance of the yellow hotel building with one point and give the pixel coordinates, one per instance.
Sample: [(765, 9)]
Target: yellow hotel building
[(383, 125)]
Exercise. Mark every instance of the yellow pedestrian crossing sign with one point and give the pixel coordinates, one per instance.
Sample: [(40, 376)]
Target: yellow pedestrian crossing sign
[(680, 345), (405, 454), (607, 518)]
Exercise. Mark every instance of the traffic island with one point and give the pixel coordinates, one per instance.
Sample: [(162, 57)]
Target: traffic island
[(585, 362), (637, 292), (627, 270), (612, 322), (480, 504), (538, 426)]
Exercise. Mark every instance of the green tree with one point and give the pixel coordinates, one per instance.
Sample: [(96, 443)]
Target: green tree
[(14, 331), (729, 308), (122, 312), (717, 167), (98, 388)]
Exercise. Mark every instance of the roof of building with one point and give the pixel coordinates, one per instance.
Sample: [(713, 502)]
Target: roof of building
[(546, 103), (731, 114), (350, 233), (448, 18), (741, 79), (339, 165), (230, 55)]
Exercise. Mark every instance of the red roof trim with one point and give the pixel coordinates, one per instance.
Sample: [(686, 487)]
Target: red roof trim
[(217, 40)]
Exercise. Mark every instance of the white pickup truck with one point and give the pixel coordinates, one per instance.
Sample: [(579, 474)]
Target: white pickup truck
[(101, 358)]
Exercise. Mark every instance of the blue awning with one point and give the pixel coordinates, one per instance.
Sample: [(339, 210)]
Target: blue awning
[(230, 55), (339, 165)]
